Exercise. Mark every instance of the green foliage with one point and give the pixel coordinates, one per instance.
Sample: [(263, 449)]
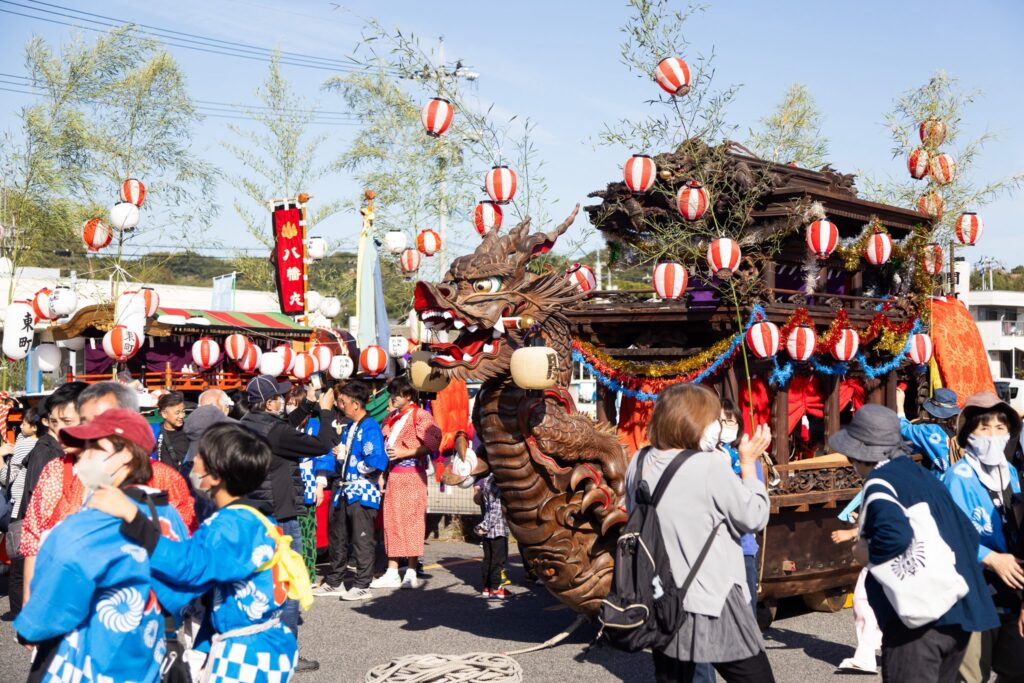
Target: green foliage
[(792, 133), (1000, 280)]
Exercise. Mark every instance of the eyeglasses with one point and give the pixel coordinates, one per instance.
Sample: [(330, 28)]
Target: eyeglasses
[(729, 422)]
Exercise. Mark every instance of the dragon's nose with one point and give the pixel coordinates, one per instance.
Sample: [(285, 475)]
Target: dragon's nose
[(426, 295)]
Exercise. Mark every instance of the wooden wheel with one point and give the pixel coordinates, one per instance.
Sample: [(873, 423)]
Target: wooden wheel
[(826, 601)]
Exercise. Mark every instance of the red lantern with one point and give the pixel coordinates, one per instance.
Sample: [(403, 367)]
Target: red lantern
[(428, 242), (847, 345), (640, 173), (500, 183), (969, 228), (437, 116), (723, 257), (763, 339), (673, 75), (373, 360), (96, 234), (917, 163), (288, 354), (206, 353), (487, 217), (878, 249), (931, 203), (670, 280), (692, 201), (581, 276), (305, 365), (152, 299), (121, 343), (932, 132), (133, 191), (801, 342), (920, 350), (943, 169), (932, 260), (236, 345), (322, 354), (410, 261), (822, 238), (250, 358), (41, 304)]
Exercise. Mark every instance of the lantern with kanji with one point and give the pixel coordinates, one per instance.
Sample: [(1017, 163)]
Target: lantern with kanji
[(942, 168), (673, 75), (323, 355), (500, 183), (920, 348), (287, 356), (121, 343), (670, 280), (801, 342), (272, 363), (133, 191), (932, 258), (341, 367), (486, 217), (692, 201), (763, 339), (124, 216), (41, 304), (917, 163), (316, 248), (582, 276), (931, 203), (822, 238), (969, 228), (373, 360), (878, 249), (63, 301), (409, 261), (18, 329), (932, 132), (723, 257), (96, 234), (436, 116), (249, 361), (330, 307), (428, 242), (846, 345), (206, 353), (235, 345), (398, 346), (395, 241), (640, 173), (304, 366)]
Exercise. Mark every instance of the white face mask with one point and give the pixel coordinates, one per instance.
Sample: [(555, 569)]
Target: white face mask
[(729, 434), (989, 450), (710, 438), (288, 410), (93, 473)]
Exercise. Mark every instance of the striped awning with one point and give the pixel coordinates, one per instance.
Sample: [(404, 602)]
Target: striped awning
[(270, 320)]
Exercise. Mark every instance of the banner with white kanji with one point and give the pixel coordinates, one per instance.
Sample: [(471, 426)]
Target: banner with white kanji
[(289, 258)]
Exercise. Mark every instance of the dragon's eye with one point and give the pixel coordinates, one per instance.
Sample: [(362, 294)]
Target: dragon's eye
[(487, 285)]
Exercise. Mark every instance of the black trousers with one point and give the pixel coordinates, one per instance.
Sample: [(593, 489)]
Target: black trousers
[(495, 554), (920, 655), (351, 524), (16, 584), (754, 669)]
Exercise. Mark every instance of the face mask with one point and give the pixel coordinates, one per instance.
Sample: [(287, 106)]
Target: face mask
[(288, 410), (989, 450), (712, 434), (93, 473), (729, 434), (197, 483)]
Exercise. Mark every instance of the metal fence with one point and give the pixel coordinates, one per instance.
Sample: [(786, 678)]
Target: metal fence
[(450, 501)]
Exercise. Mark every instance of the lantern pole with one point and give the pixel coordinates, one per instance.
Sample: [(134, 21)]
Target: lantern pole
[(305, 258), (952, 268)]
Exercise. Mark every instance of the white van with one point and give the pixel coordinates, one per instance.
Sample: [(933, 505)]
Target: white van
[(1011, 391)]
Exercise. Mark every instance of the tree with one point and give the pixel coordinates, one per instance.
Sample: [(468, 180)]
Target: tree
[(792, 133)]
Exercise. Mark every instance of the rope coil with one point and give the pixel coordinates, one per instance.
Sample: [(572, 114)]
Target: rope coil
[(485, 667)]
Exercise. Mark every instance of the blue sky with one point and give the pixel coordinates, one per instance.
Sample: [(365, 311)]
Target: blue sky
[(558, 63)]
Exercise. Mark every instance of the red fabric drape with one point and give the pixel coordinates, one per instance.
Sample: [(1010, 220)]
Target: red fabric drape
[(851, 390), (761, 401), (633, 418), (805, 398), (451, 412)]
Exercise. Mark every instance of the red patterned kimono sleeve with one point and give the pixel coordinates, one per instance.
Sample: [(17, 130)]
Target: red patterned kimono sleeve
[(45, 498), (166, 478), (427, 431)]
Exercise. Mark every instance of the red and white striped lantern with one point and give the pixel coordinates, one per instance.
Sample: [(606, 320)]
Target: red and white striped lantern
[(847, 345), (428, 242), (121, 343), (235, 345), (943, 169), (305, 365), (670, 280), (373, 360), (133, 191), (763, 339), (878, 249), (250, 358), (436, 116), (673, 75), (152, 300), (920, 350), (41, 304), (486, 217), (96, 234), (500, 183), (582, 276), (932, 259), (723, 257), (932, 132), (822, 238), (640, 173), (322, 354), (801, 342), (409, 261), (931, 203), (287, 354), (969, 228), (917, 163), (692, 201), (206, 353)]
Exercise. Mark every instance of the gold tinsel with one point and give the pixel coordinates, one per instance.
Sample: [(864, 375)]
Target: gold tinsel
[(891, 342), (658, 369)]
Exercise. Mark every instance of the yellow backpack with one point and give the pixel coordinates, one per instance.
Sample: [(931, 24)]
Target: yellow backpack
[(288, 565)]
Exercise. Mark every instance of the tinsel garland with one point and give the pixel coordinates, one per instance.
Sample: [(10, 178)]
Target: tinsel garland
[(659, 369)]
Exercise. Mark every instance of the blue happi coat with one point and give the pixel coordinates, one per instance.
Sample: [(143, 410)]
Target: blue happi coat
[(93, 587), (310, 467), (929, 439), (364, 462), (971, 496)]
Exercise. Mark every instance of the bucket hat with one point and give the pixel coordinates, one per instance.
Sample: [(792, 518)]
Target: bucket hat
[(873, 435)]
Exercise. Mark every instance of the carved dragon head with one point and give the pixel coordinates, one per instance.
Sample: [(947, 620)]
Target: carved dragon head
[(483, 290)]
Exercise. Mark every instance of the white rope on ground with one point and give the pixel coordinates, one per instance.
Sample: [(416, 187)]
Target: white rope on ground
[(485, 667)]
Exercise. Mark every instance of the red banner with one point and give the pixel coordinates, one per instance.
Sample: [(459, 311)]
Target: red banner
[(289, 229)]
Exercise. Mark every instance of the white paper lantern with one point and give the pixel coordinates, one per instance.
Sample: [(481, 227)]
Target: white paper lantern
[(63, 301), (272, 363), (395, 241), (121, 343), (341, 367), (534, 367), (330, 307), (206, 353), (398, 346), (124, 216), (313, 300), (423, 376), (316, 248), (198, 321), (73, 344), (18, 329), (323, 355), (130, 311), (48, 357)]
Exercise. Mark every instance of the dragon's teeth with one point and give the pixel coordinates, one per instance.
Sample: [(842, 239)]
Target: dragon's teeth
[(459, 324), (466, 357), (474, 328), (488, 348), (496, 334), (499, 327), (448, 315)]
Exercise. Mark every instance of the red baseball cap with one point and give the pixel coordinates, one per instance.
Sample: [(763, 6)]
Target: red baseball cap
[(127, 424)]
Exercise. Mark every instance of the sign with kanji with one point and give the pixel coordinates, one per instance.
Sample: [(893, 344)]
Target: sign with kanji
[(288, 258)]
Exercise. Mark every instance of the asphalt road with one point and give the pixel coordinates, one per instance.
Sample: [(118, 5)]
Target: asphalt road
[(447, 616)]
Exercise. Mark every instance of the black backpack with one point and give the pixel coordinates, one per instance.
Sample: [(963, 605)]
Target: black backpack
[(644, 608)]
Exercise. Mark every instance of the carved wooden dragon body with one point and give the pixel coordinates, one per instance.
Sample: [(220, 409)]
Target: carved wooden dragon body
[(561, 476)]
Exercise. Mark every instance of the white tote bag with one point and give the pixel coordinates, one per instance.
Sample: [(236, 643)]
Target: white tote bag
[(921, 583)]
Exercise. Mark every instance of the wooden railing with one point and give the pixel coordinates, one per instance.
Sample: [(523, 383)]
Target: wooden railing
[(171, 380)]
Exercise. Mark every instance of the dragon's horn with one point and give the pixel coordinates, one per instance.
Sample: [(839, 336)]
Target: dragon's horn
[(504, 245), (541, 242)]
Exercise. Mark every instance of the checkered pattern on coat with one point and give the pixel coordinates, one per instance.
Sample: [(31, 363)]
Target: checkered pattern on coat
[(238, 663)]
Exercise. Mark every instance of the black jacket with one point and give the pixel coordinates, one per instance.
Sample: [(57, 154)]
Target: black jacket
[(283, 486), (47, 448)]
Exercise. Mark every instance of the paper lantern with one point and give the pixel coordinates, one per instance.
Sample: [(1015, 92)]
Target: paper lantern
[(534, 367), (96, 234), (723, 257), (500, 183), (313, 300), (398, 346), (692, 201), (124, 216), (130, 311), (272, 363), (133, 191), (428, 242), (48, 358), (932, 259), (409, 261), (287, 354), (18, 329), (198, 320), (581, 276), (920, 350), (932, 132), (763, 339), (41, 304), (235, 345), (878, 249), (436, 116), (917, 163), (395, 241), (121, 343), (151, 299), (969, 228), (316, 248), (846, 346), (63, 301), (373, 360), (330, 307), (942, 168), (640, 173), (250, 358), (304, 366), (72, 344), (323, 355), (931, 203), (487, 216), (822, 238), (801, 342), (673, 75), (206, 353), (341, 367), (423, 376), (670, 280)]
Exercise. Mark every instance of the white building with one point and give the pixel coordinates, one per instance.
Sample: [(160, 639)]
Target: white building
[(1000, 319)]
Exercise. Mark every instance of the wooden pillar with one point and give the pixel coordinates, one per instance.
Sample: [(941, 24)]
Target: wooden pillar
[(599, 392), (780, 426), (730, 386), (768, 274), (832, 408), (890, 390), (606, 405)]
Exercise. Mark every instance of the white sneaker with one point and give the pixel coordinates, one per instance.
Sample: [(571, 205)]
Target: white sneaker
[(852, 664), (389, 579), (410, 580), (354, 594)]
